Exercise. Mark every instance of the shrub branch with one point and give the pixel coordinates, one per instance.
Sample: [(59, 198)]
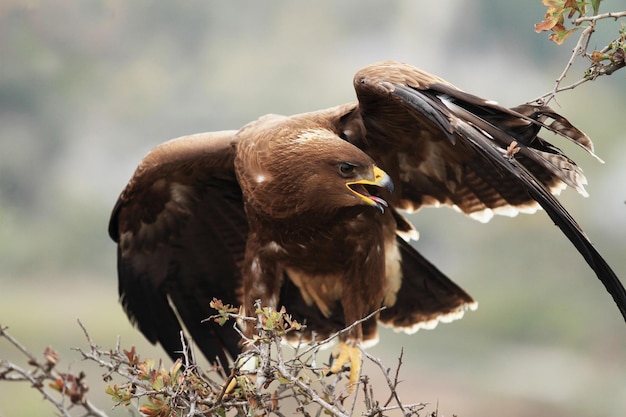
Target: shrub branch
[(604, 61), (281, 383)]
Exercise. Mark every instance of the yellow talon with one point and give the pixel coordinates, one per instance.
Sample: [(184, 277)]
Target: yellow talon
[(346, 353), (231, 386), (245, 364)]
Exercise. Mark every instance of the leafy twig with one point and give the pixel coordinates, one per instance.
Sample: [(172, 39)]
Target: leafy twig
[(602, 62), (185, 390)]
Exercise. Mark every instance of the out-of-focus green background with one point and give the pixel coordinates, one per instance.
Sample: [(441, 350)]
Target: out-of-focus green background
[(88, 87)]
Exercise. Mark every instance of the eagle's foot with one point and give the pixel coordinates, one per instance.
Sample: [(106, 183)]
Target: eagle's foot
[(244, 381), (347, 353)]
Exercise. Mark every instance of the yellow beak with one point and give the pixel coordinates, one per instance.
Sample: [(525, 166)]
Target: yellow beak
[(380, 179)]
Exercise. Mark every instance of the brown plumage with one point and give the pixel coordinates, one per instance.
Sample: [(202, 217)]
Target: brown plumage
[(299, 211)]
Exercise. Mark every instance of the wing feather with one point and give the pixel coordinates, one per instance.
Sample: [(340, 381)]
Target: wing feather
[(426, 296), (181, 232), (501, 166)]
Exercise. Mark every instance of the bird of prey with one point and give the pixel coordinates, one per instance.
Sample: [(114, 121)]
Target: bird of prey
[(304, 211)]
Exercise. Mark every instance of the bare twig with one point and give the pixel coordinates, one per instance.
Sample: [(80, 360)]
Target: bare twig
[(285, 373), (8, 371), (578, 50), (31, 358), (332, 337), (67, 384), (373, 407), (609, 15), (392, 386)]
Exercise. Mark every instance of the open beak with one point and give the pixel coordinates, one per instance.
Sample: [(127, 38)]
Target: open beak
[(360, 188)]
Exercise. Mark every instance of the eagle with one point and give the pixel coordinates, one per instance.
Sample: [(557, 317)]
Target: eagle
[(306, 212)]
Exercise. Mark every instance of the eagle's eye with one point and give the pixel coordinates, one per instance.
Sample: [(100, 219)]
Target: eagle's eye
[(346, 168)]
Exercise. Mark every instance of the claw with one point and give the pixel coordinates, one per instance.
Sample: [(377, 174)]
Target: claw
[(244, 381), (231, 386), (343, 354)]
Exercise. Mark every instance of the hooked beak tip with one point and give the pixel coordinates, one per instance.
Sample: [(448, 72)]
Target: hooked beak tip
[(382, 179)]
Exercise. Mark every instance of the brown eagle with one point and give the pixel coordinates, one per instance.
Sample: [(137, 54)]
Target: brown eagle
[(303, 211)]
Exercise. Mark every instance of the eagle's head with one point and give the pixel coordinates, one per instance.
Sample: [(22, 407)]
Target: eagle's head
[(296, 167)]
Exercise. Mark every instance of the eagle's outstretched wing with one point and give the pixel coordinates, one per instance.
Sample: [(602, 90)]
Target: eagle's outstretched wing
[(443, 146)]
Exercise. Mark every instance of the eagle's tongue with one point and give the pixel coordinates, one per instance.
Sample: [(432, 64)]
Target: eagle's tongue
[(379, 200), (380, 203)]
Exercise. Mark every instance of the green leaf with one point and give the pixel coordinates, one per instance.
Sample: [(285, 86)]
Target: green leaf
[(596, 6), (158, 383)]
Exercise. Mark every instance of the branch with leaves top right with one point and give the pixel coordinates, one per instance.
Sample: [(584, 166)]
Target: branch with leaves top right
[(584, 16)]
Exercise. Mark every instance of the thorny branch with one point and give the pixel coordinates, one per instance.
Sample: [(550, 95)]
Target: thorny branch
[(67, 386), (406, 409), (286, 383)]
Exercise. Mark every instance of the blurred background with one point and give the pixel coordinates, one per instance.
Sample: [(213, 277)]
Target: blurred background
[(88, 87)]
